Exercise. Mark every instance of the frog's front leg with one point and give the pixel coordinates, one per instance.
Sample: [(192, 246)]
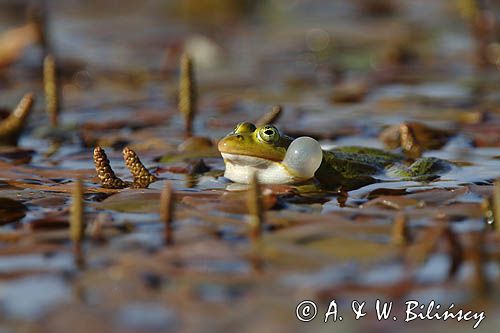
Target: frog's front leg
[(424, 169)]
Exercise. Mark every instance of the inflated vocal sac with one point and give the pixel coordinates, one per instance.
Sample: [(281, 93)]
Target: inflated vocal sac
[(303, 157)]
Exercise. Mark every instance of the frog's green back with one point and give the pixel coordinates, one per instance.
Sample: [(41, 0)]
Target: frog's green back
[(352, 167)]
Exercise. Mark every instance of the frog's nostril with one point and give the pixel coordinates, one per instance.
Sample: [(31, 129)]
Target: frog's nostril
[(222, 144), (239, 137)]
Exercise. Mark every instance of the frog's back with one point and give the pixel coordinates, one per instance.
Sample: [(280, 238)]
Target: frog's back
[(353, 166), (372, 156)]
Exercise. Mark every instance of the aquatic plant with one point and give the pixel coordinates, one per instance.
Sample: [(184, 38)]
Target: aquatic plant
[(255, 208), (187, 93), (77, 223), (105, 173), (12, 126), (142, 176), (270, 117), (167, 212), (51, 88)]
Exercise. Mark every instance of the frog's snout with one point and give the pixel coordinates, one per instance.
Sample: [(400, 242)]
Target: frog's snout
[(221, 145), (227, 142), (303, 157)]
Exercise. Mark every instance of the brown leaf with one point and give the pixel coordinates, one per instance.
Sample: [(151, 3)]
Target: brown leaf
[(425, 136), (14, 41), (11, 210)]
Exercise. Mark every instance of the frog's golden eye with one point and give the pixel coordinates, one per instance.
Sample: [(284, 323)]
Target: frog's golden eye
[(244, 127), (268, 133)]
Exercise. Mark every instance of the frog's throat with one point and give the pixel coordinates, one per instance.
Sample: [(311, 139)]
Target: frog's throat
[(240, 168)]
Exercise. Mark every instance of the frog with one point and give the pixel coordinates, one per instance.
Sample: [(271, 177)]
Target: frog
[(280, 159)]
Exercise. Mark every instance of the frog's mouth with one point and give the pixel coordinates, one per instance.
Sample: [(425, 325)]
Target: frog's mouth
[(240, 169), (247, 160)]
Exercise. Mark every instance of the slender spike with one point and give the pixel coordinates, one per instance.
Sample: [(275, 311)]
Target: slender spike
[(270, 117), (77, 223), (409, 142), (489, 215), (12, 126), (104, 171), (482, 28), (167, 211), (400, 230), (37, 15), (255, 208), (477, 257), (142, 177), (421, 251), (496, 205), (467, 8), (187, 93), (51, 88), (455, 250)]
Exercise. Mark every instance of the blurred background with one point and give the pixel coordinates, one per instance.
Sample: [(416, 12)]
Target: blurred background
[(342, 70), (276, 46)]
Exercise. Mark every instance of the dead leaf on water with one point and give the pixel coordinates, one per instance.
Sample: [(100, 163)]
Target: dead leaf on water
[(11, 210), (394, 202)]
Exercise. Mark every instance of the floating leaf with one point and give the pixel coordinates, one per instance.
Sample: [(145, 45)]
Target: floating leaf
[(11, 210)]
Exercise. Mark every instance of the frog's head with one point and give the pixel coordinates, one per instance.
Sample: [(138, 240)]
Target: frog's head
[(277, 158)]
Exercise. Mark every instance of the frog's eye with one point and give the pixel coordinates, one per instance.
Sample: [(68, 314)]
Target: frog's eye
[(268, 133), (244, 127)]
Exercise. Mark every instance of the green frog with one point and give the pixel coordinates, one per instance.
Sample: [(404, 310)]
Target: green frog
[(280, 159)]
